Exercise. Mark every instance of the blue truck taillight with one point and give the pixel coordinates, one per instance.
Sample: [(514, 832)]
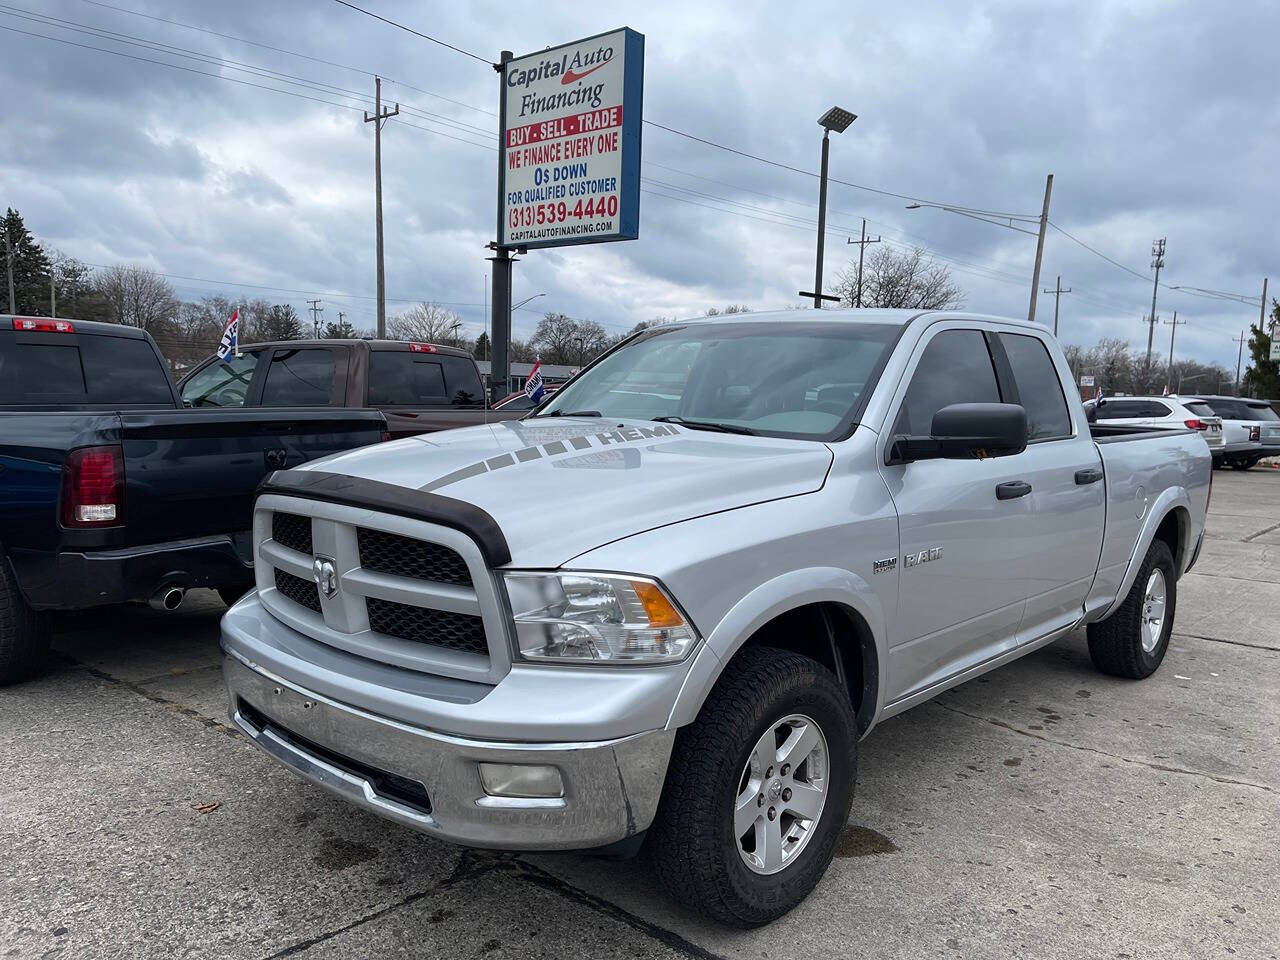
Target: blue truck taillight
[(93, 487)]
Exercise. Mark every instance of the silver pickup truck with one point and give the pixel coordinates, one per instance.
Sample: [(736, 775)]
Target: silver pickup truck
[(668, 604)]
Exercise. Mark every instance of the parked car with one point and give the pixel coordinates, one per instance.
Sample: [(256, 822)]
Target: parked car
[(520, 400), (110, 492), (674, 613), (420, 387), (1251, 429), (1169, 412)]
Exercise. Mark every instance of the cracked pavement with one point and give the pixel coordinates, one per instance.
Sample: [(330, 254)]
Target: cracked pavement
[(1043, 810)]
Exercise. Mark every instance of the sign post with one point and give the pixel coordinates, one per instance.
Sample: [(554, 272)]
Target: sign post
[(569, 160)]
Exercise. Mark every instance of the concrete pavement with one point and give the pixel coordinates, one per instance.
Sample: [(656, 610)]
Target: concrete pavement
[(1041, 811)]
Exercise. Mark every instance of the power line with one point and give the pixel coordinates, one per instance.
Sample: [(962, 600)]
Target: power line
[(1099, 253), (417, 33)]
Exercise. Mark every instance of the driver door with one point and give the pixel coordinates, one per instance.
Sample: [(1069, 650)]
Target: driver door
[(961, 590)]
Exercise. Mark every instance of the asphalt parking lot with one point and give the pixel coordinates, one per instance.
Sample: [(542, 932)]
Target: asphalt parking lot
[(1041, 811)]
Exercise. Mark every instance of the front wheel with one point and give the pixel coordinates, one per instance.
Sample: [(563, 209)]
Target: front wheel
[(1132, 641), (758, 789), (1242, 464)]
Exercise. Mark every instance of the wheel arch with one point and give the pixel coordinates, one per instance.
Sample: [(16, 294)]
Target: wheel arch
[(786, 612), (1170, 520)]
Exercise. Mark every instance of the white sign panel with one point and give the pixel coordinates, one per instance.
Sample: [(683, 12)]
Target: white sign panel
[(1086, 381), (570, 128), (1275, 349)]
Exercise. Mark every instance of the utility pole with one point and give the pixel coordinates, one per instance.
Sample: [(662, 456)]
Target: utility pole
[(1044, 225), (316, 310), (1242, 339), (862, 246), (8, 253), (1173, 330), (379, 118), (1057, 292), (1157, 261), (1262, 314), (500, 338)]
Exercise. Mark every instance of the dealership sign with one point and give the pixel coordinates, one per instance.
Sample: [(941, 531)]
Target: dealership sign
[(570, 127)]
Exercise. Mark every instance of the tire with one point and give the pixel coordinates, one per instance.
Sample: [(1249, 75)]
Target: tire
[(24, 634), (1116, 645), (1242, 464), (230, 595), (692, 841)]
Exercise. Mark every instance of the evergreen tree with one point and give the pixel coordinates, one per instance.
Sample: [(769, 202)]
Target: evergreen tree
[(279, 322), (342, 330), (482, 346), (31, 269), (1263, 376)]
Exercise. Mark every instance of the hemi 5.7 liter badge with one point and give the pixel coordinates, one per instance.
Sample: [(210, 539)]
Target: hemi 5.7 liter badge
[(884, 566)]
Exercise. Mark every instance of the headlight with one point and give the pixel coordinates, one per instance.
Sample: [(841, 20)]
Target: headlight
[(590, 616)]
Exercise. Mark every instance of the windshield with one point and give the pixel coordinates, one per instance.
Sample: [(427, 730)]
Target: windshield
[(792, 379)]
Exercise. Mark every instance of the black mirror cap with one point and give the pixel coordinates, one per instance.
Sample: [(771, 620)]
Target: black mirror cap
[(963, 430)]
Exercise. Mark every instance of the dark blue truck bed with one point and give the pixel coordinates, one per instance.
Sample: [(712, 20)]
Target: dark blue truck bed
[(87, 409)]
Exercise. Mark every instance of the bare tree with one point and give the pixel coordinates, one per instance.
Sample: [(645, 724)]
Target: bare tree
[(428, 322), (138, 297), (728, 310), (562, 339), (900, 278)]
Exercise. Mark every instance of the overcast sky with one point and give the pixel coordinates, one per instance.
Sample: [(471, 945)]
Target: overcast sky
[(1157, 119)]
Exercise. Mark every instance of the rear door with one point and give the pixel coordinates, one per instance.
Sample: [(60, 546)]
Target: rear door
[(962, 585), (1068, 496)]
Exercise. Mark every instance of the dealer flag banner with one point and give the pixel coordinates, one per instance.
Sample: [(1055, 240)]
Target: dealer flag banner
[(570, 129)]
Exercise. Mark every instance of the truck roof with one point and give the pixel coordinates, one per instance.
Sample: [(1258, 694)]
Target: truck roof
[(95, 327), (853, 315), (356, 341)]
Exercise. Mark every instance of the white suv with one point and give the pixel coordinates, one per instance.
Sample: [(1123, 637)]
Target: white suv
[(1250, 427), (1169, 412)]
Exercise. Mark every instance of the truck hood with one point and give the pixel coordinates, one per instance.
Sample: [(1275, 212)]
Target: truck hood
[(560, 487)]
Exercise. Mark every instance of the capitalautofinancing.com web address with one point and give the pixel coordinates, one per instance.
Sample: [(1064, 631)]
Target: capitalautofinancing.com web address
[(567, 230)]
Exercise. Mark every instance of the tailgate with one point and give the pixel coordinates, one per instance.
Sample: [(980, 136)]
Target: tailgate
[(193, 473)]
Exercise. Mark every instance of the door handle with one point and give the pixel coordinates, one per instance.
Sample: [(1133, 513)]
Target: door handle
[(275, 458), (1012, 489), (1089, 475)]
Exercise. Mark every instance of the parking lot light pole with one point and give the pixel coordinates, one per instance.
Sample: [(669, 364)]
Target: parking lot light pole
[(836, 119)]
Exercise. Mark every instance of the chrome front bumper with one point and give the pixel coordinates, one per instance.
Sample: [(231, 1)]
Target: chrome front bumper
[(611, 788)]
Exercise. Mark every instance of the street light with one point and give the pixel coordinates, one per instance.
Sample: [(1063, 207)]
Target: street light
[(1008, 220), (837, 120)]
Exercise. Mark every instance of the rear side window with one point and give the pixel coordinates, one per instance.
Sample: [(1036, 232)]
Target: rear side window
[(955, 368), (299, 378), (1122, 410), (1262, 412), (224, 383), (1039, 389), (40, 372), (402, 378), (1229, 409), (120, 370)]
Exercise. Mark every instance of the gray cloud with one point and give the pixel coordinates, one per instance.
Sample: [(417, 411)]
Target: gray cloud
[(1158, 119)]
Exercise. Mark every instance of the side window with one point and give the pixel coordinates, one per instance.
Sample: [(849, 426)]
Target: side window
[(1155, 409), (221, 384), (1039, 389), (299, 378), (955, 368), (1121, 410)]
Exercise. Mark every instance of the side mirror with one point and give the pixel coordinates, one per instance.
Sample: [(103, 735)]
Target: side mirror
[(964, 430)]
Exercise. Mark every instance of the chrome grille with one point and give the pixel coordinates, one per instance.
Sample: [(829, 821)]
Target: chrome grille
[(300, 591), (457, 631), (407, 592), (407, 557), (292, 531)]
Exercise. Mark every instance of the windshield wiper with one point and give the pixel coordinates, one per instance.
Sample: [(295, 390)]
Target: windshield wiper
[(707, 425), (571, 413)]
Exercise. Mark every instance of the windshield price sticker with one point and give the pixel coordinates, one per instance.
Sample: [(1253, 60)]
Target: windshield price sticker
[(571, 143)]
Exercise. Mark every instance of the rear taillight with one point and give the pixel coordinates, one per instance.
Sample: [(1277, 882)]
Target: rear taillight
[(93, 487), (1255, 433), (43, 325), (1194, 424)]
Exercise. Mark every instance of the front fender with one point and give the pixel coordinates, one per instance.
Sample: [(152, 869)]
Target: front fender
[(1171, 499), (788, 591)]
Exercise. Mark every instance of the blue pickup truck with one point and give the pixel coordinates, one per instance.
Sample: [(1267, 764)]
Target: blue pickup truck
[(110, 491)]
